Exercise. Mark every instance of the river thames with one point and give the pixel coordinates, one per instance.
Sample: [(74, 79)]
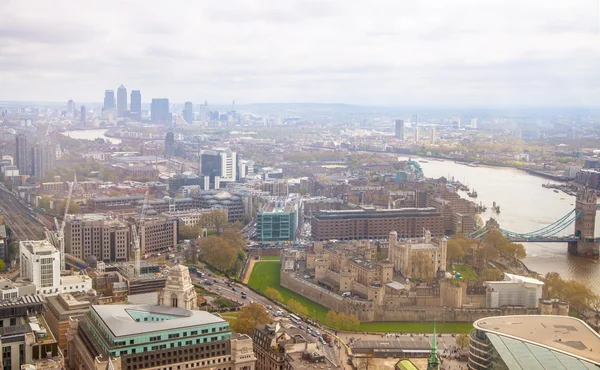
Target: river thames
[(525, 206), (91, 134)]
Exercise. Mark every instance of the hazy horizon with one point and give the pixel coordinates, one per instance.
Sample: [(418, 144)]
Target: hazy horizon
[(465, 53)]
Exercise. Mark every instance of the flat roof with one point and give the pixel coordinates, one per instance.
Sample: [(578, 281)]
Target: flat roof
[(565, 334), (376, 213), (120, 322)]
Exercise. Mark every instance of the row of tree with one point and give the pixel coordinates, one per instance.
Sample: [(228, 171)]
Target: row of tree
[(494, 244), (577, 294), (341, 321)]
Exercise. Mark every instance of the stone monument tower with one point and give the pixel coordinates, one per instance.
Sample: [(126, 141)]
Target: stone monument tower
[(585, 225), (179, 291)]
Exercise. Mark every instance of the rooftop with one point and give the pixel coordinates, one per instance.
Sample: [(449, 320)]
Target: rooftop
[(42, 247), (564, 334), (375, 213), (120, 320)]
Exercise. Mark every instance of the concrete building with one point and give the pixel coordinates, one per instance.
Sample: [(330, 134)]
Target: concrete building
[(169, 144), (157, 235), (22, 155), (277, 347), (232, 202), (371, 223), (188, 112), (533, 342), (97, 235), (277, 221), (24, 335), (59, 309), (121, 101), (42, 160), (399, 129), (40, 264), (131, 337), (179, 290), (191, 217), (514, 290), (136, 105), (109, 99), (159, 111), (421, 259)]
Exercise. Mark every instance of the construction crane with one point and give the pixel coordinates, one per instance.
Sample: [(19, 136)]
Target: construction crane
[(135, 236), (60, 229)]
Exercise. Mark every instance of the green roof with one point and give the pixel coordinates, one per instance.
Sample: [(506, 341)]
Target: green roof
[(405, 365)]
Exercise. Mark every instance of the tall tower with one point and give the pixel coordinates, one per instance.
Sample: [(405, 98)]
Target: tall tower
[(169, 144), (433, 362), (585, 225), (136, 105), (109, 99), (22, 158), (188, 112), (121, 101), (399, 132), (179, 290)]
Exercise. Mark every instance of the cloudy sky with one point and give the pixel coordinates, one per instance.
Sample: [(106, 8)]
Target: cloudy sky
[(462, 53)]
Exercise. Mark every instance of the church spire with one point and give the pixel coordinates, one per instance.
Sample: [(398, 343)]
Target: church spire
[(433, 362)]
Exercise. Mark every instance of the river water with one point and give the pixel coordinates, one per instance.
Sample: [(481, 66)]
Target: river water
[(91, 134), (525, 206)]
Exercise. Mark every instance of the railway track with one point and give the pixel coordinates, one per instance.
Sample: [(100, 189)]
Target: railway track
[(16, 216)]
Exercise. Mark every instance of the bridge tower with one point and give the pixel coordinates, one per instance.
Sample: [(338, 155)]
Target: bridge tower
[(585, 225)]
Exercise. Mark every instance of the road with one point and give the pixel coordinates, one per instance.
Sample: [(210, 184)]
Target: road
[(234, 293), (15, 216)]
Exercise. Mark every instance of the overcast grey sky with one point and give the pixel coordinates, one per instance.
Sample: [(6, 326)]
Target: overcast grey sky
[(397, 52)]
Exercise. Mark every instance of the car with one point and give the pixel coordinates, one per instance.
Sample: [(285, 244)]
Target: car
[(229, 285), (308, 329), (300, 327), (314, 334), (214, 280), (244, 296), (330, 344), (317, 332), (269, 307), (233, 289)]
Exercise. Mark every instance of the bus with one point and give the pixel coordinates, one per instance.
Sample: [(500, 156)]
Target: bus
[(295, 318)]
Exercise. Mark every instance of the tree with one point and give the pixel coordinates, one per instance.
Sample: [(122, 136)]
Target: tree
[(297, 307), (2, 265), (250, 316), (331, 318), (73, 207), (577, 294), (187, 232), (492, 275), (462, 340), (218, 253), (342, 321), (273, 294)]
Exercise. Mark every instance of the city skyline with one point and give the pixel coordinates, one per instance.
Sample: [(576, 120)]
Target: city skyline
[(462, 53)]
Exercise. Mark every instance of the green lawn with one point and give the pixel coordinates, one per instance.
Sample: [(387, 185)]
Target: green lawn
[(266, 274), (416, 327), (466, 272), (269, 258)]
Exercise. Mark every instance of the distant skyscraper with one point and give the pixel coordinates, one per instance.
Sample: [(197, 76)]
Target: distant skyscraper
[(169, 144), (109, 99), (473, 123), (188, 112), (22, 159), (432, 135), (42, 160), (70, 109), (160, 111), (136, 105), (416, 134), (83, 117), (400, 129), (415, 119), (121, 101)]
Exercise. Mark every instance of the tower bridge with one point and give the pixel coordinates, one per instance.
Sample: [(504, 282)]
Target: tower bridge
[(581, 243)]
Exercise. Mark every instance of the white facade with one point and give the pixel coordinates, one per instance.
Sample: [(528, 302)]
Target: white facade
[(40, 264), (75, 283), (514, 290), (228, 165), (10, 171)]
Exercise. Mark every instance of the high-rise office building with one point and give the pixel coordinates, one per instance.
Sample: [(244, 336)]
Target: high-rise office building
[(109, 99), (83, 115), (99, 236), (136, 105), (474, 123), (416, 134), (42, 160), (70, 109), (188, 112), (169, 144), (22, 159), (400, 129), (160, 111), (432, 135), (121, 101)]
